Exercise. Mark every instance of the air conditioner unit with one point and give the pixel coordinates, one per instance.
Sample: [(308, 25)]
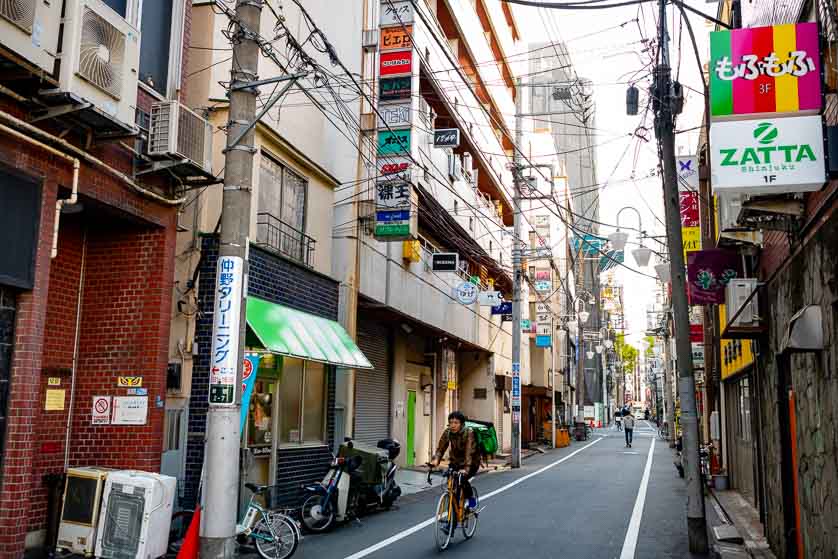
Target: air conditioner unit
[(136, 514), (370, 39), (100, 56), (736, 293), (729, 207), (467, 164), (80, 513), (179, 133), (29, 28), (455, 166)]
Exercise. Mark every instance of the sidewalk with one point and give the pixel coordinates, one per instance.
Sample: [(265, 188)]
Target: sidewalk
[(741, 534)]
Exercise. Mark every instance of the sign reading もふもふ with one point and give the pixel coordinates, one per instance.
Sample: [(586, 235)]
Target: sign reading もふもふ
[(768, 156)]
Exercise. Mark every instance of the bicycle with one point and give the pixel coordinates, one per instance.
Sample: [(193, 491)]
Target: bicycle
[(451, 509), (663, 431), (275, 534)]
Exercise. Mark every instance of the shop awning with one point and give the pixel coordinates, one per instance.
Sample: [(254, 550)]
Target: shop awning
[(298, 334)]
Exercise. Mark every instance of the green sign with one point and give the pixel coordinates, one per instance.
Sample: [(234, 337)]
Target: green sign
[(394, 143), (392, 229), (525, 324)]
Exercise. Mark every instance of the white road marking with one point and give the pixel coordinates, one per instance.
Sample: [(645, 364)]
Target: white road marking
[(424, 524), (630, 543)]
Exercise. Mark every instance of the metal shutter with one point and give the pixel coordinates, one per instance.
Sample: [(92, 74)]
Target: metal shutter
[(372, 386)]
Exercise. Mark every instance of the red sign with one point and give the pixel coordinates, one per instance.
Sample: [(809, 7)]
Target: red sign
[(393, 63), (689, 209), (50, 447), (696, 333)]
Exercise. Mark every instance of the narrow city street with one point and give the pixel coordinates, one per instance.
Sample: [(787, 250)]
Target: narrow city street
[(585, 501)]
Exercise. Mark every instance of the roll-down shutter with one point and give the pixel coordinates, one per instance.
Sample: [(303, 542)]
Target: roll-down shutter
[(372, 386)]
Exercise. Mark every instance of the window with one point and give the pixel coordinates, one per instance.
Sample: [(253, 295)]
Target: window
[(302, 395), (160, 24), (119, 6), (282, 193), (260, 416)]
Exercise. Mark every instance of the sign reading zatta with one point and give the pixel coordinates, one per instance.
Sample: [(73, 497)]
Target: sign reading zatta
[(393, 38), (768, 156), (765, 70)]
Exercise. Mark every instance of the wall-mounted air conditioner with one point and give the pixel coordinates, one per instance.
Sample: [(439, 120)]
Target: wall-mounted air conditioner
[(136, 514), (455, 166), (736, 293), (29, 28), (729, 207), (176, 132), (100, 56), (80, 513)]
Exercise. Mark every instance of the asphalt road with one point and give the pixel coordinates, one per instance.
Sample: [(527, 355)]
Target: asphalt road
[(585, 501)]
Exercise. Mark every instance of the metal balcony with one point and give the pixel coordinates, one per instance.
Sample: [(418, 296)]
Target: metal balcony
[(276, 235)]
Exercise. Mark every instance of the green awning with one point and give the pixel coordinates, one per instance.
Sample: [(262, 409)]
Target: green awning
[(298, 334)]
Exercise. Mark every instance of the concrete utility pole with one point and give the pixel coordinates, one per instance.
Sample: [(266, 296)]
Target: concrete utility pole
[(221, 458), (668, 399), (516, 280), (665, 129)]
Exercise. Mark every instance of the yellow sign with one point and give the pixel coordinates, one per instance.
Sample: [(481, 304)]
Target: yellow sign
[(735, 355), (55, 400), (129, 382), (452, 385), (54, 381), (691, 238), (393, 38)]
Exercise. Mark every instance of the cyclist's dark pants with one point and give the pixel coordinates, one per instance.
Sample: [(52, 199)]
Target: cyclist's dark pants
[(472, 471)]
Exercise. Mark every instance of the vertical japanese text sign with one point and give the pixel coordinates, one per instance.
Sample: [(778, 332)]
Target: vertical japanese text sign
[(226, 325)]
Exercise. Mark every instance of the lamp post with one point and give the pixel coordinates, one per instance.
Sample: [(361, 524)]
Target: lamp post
[(618, 239)]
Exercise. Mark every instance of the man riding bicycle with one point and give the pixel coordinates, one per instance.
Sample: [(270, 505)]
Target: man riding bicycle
[(462, 452)]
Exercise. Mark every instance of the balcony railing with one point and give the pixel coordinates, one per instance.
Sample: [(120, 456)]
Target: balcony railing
[(288, 241)]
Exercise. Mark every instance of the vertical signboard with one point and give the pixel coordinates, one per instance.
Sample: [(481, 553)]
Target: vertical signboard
[(396, 216), (396, 12), (393, 38), (225, 331), (395, 89), (395, 142), (395, 63)]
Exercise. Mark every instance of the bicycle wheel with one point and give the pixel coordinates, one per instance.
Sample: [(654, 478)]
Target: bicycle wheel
[(471, 516), (275, 537), (444, 525)]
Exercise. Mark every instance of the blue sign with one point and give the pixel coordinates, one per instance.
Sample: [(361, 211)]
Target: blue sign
[(397, 215), (516, 386), (543, 341), (516, 367), (503, 308), (249, 368)]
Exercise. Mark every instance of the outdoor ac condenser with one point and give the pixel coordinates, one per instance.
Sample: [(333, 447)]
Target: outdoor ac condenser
[(136, 514), (80, 512)]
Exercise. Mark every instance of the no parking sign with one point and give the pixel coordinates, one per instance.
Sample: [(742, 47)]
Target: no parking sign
[(101, 413)]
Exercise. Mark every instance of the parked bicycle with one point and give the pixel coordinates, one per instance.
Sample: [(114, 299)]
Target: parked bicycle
[(274, 532), (451, 510)]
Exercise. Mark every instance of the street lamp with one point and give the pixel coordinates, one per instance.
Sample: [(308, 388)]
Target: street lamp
[(589, 354), (608, 344), (599, 348), (618, 239), (584, 316), (663, 272), (642, 254)]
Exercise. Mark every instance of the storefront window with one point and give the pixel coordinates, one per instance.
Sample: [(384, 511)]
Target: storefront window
[(302, 395), (259, 420)]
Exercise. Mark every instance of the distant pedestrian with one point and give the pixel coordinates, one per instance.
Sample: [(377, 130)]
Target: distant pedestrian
[(628, 425), (618, 419)]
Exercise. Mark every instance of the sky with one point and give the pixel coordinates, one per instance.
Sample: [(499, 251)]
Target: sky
[(612, 47)]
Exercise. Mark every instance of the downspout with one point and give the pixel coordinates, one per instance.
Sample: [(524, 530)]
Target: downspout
[(76, 338), (73, 199)]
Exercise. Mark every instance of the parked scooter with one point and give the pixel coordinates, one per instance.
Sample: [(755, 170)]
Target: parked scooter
[(360, 480)]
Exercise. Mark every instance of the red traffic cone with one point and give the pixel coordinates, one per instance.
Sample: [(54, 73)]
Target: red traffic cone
[(592, 424), (191, 541), (599, 424)]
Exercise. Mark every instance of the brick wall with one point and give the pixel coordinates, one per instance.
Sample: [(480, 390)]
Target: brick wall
[(810, 278), (281, 281)]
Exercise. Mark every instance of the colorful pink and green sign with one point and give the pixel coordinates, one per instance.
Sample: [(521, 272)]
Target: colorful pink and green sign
[(765, 70)]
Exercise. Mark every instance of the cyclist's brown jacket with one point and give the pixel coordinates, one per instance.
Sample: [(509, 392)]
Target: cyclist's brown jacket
[(463, 448)]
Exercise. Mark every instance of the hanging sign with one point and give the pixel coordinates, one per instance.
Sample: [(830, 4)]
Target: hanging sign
[(490, 298), (445, 261), (689, 209), (447, 138), (525, 325), (395, 167), (392, 194), (249, 368), (765, 70), (394, 89), (503, 309), (393, 38), (394, 63), (466, 293), (543, 275), (394, 142), (396, 12), (393, 116), (709, 272), (688, 173), (691, 240), (768, 156), (396, 218), (225, 332), (543, 286), (543, 329), (506, 317), (543, 340)]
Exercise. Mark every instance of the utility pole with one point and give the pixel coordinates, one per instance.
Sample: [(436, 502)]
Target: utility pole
[(516, 280), (665, 129), (221, 457), (669, 401)]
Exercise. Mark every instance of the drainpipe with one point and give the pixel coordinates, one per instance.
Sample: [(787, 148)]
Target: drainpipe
[(76, 337), (58, 203)]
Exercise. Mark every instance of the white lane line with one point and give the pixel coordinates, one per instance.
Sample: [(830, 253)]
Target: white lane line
[(630, 543), (413, 529)]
